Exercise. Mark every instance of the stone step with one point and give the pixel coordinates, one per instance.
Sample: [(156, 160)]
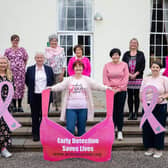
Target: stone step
[(129, 143), (98, 113), (26, 121), (128, 131)]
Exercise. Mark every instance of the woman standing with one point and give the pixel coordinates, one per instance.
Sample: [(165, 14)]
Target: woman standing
[(18, 58), (5, 139), (115, 75), (136, 64), (78, 103), (152, 142), (56, 58), (78, 50)]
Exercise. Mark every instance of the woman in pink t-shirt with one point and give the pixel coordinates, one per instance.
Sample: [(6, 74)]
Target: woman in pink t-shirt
[(77, 105), (154, 143), (78, 50), (115, 75)]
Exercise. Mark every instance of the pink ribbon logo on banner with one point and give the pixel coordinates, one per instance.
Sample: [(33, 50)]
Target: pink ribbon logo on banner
[(11, 122), (156, 126), (58, 143)]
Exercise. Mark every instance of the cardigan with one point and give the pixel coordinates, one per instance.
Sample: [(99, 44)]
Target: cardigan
[(140, 62), (90, 84)]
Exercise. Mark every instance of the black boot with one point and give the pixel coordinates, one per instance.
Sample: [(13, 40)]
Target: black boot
[(135, 115), (130, 117)]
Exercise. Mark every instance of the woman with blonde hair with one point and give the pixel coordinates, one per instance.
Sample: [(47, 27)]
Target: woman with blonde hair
[(5, 75), (136, 65)]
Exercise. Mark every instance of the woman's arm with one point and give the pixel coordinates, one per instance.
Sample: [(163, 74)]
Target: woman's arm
[(60, 86), (70, 67), (105, 77)]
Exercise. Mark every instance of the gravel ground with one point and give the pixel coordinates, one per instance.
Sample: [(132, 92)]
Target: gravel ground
[(120, 159)]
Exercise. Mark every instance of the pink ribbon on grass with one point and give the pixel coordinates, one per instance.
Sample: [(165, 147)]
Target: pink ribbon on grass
[(11, 122), (156, 126)]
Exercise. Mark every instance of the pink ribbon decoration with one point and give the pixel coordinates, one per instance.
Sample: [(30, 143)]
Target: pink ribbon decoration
[(11, 122), (156, 126), (58, 143)]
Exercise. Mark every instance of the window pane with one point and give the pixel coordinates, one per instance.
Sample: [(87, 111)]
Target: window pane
[(62, 40), (71, 2), (153, 27), (79, 12), (154, 14), (79, 25), (87, 51), (165, 40), (71, 13), (80, 40), (160, 14), (158, 39), (158, 51), (71, 24), (87, 40), (165, 50), (69, 51), (79, 3), (69, 40), (159, 26)]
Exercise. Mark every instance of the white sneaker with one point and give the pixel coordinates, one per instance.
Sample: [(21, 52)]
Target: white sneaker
[(157, 154), (149, 152), (120, 136), (5, 153)]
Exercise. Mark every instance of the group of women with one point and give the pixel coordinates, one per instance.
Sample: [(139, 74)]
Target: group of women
[(124, 77)]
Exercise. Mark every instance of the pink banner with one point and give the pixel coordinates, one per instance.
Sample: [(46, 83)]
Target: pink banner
[(11, 122), (156, 126), (58, 143)]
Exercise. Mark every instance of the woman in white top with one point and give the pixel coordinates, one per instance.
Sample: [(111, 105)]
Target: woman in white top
[(78, 104), (154, 143)]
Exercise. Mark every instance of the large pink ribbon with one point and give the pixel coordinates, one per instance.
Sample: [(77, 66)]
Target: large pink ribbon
[(156, 126), (11, 122)]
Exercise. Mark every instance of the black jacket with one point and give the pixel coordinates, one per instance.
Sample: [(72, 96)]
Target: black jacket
[(30, 80), (140, 62)]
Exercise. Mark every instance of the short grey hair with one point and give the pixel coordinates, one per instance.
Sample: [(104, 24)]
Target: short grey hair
[(52, 36), (39, 53)]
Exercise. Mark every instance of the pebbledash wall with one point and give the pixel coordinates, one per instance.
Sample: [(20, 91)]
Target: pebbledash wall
[(34, 20)]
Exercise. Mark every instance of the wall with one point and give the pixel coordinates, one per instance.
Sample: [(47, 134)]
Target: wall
[(34, 20)]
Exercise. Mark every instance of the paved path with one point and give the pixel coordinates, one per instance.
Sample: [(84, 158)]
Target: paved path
[(121, 159)]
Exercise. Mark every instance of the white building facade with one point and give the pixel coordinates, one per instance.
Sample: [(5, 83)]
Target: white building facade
[(98, 25)]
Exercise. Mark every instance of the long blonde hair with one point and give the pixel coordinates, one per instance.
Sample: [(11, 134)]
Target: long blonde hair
[(8, 70)]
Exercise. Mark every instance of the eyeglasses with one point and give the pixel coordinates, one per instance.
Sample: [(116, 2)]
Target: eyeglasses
[(16, 40)]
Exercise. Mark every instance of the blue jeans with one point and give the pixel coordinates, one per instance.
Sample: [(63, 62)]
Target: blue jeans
[(76, 116)]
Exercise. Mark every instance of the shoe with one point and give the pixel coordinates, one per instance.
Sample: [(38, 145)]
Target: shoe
[(15, 109), (130, 117), (149, 152), (5, 153), (36, 139), (157, 154), (20, 109), (119, 136), (135, 116)]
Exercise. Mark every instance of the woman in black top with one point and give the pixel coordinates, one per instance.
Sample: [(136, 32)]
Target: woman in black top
[(136, 64)]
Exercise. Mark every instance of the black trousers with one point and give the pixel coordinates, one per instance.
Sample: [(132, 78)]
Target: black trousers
[(133, 98), (36, 113), (118, 109), (150, 139)]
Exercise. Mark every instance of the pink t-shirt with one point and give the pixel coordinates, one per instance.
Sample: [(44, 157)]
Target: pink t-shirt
[(77, 94), (161, 83), (116, 75)]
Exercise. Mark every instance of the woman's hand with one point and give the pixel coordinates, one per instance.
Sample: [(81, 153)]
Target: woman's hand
[(49, 87), (160, 99)]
